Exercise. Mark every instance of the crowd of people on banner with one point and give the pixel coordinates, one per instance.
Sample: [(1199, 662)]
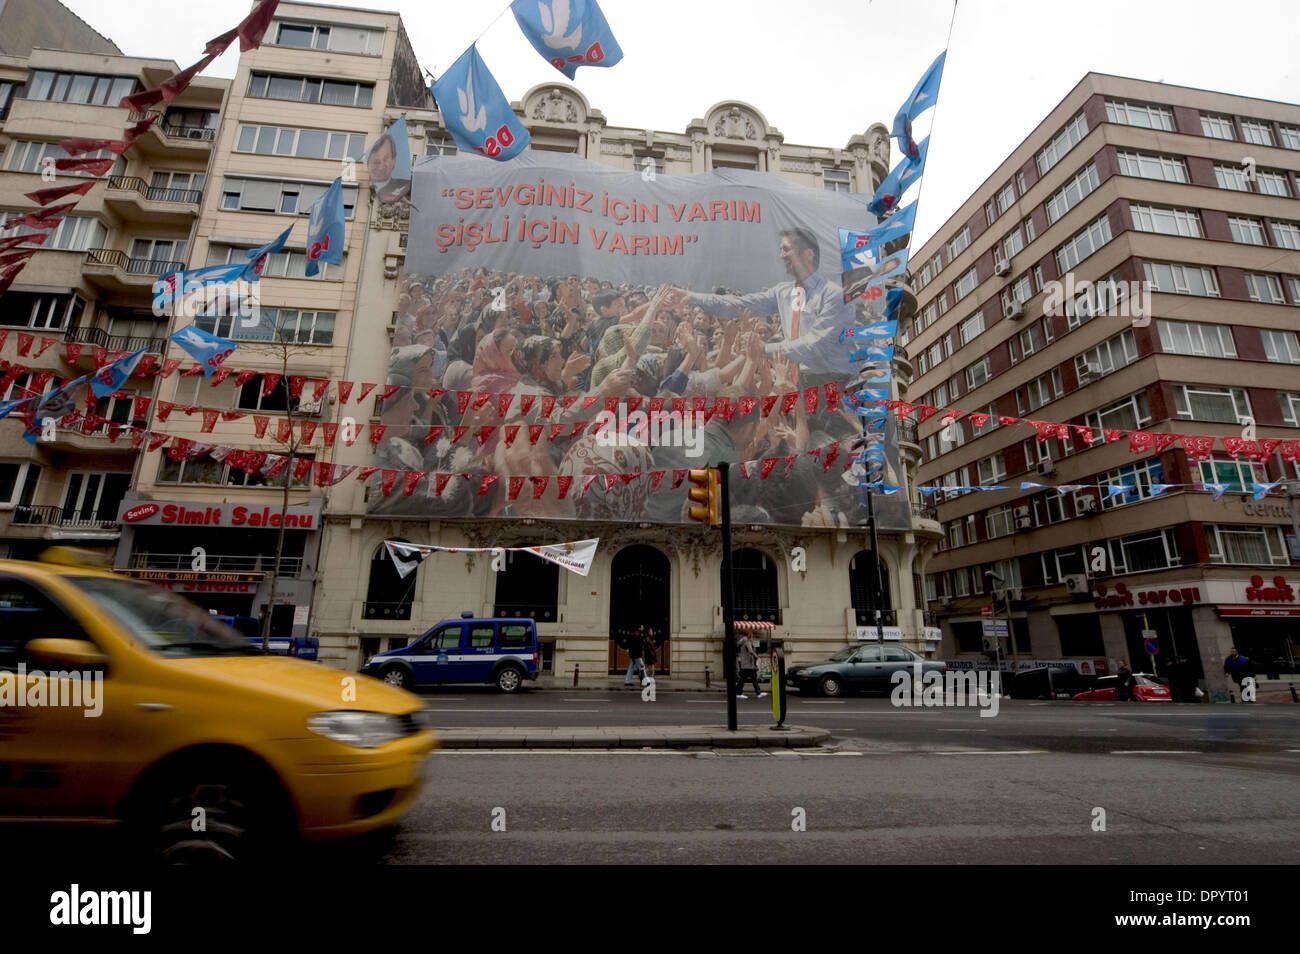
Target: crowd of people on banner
[(491, 332)]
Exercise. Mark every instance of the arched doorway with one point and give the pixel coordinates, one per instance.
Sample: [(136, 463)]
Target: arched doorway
[(389, 594), (862, 589), (755, 586), (638, 596)]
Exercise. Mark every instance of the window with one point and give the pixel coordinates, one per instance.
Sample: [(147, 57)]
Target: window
[(1290, 137), (1245, 545), (1195, 338), (1264, 288), (1147, 166), (1058, 564), (1217, 127), (1286, 234), (935, 354), (170, 252), (1006, 197), (208, 472), (252, 398), (1152, 218), (1039, 392), (1013, 244), (1048, 509), (1290, 401), (929, 315), (990, 212), (971, 327), (1127, 414), (1062, 143), (978, 373), (319, 36), (441, 144), (1247, 231), (1272, 183), (1206, 403), (93, 498), (1156, 550), (302, 327), (18, 483), (286, 196), (1181, 279), (43, 312), (1293, 288), (834, 180), (1237, 474), (991, 469), (169, 186), (389, 594), (1135, 114), (942, 302), (1280, 346), (1083, 244), (1031, 232), (1019, 293), (86, 88), (926, 276), (966, 284), (1072, 193), (958, 243), (1260, 134), (1111, 355), (1030, 340), (997, 522), (939, 396), (284, 264), (989, 425), (307, 89), (1140, 477), (302, 143), (31, 156)]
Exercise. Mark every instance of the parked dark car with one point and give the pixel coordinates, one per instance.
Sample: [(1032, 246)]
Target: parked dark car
[(859, 668), (1044, 683)]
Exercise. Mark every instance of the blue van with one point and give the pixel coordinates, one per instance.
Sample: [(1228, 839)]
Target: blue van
[(503, 652)]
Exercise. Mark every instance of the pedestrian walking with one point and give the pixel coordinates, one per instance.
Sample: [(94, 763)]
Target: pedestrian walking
[(1124, 689), (1237, 666), (635, 652), (747, 662), (649, 656)]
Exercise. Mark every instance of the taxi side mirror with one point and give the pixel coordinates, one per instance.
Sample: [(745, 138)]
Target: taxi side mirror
[(67, 652)]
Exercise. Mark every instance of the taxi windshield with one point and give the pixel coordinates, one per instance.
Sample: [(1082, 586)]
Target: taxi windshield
[(162, 620)]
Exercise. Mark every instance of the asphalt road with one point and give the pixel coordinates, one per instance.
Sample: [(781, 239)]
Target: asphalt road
[(1178, 784)]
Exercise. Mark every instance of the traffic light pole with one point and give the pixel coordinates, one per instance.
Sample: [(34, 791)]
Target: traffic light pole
[(876, 581), (728, 598)]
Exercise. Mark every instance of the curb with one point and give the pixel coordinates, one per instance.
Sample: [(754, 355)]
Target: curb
[(632, 737)]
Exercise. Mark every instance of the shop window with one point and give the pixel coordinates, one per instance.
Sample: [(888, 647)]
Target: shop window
[(1080, 634)]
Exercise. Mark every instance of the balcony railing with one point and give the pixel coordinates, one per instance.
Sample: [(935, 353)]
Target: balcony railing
[(59, 517), (907, 431), (927, 511), (218, 562), (132, 266), (177, 130), (100, 337), (155, 193), (106, 256)]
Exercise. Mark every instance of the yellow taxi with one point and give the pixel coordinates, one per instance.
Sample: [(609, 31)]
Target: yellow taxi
[(120, 702)]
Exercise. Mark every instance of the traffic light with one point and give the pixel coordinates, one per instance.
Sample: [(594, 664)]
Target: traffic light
[(704, 495)]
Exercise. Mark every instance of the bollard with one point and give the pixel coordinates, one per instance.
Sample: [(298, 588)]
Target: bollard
[(706, 678), (1294, 697), (1232, 697), (575, 675)]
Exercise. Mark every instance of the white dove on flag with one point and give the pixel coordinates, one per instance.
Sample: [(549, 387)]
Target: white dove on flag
[(197, 340), (555, 20), (471, 120)]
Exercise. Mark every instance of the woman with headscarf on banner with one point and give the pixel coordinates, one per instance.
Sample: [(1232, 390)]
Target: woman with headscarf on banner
[(494, 366), (460, 359)]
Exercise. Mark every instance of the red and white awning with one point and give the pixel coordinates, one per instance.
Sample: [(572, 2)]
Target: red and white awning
[(750, 625)]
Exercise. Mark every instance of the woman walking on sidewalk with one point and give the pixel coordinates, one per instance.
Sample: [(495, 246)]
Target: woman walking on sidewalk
[(747, 661)]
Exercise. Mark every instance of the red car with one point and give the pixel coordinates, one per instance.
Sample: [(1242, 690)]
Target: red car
[(1147, 689)]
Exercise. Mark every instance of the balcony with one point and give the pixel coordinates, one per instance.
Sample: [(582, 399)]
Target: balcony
[(72, 439), (218, 562), (165, 138), (134, 200), (56, 523), (925, 519), (98, 337), (114, 271)]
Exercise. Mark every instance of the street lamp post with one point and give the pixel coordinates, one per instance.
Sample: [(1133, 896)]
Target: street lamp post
[(1011, 629)]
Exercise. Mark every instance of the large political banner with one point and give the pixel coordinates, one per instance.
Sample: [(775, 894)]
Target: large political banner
[(570, 338)]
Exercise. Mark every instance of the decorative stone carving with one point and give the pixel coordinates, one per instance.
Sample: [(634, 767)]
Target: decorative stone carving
[(390, 215), (735, 124), (554, 106), (878, 144)]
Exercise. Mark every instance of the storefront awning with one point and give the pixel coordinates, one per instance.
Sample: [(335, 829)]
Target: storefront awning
[(751, 625), (1257, 612)]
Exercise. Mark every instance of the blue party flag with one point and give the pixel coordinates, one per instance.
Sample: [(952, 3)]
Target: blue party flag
[(207, 349), (899, 179), (893, 298), (177, 286), (873, 353), (7, 407), (857, 280), (924, 95), (568, 33), (113, 375), (1261, 490), (326, 229), (894, 227), (1114, 490), (1158, 489), (258, 256), (476, 112), (1217, 489), (879, 329)]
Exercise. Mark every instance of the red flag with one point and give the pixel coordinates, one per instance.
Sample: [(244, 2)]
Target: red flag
[(927, 411), (217, 45), (1112, 433), (633, 403), (8, 273), (539, 485), (269, 381), (440, 484), (788, 401), (577, 428), (141, 101), (790, 460), (610, 481), (324, 474), (511, 432), (1198, 447), (678, 477), (365, 389), (319, 387), (308, 429), (769, 401), (296, 383), (656, 478), (746, 466), (75, 147), (832, 395), (486, 483), (259, 424), (435, 432), (243, 377), (830, 458), (220, 375), (46, 196), (410, 479), (176, 84), (526, 402), (587, 402), (169, 365), (1162, 442), (146, 366), (131, 133), (765, 467), (33, 221), (301, 468), (679, 405), (1240, 445), (345, 391), (563, 483), (548, 404), (462, 401), (157, 440), (587, 481), (1290, 450), (481, 398), (1267, 445), (556, 431), (516, 484), (1084, 432), (140, 407), (1139, 441), (209, 420), (137, 437), (365, 473), (14, 241), (810, 396), (1004, 420), (25, 342), (283, 430), (95, 167), (253, 26), (459, 431), (195, 369), (331, 432), (165, 409), (388, 391), (386, 482), (377, 433), (503, 403), (568, 402), (46, 344), (535, 433), (485, 433), (656, 405)]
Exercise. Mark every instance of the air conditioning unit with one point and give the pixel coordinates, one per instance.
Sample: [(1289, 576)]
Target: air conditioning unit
[(1076, 583), (945, 601), (1023, 523), (1016, 310), (1015, 594), (1085, 503), (1089, 374), (1002, 267), (1046, 467), (310, 408)]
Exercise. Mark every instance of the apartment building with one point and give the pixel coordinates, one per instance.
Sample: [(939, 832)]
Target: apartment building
[(88, 289), (1181, 204)]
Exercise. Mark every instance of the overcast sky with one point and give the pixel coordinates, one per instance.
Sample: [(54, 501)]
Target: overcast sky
[(822, 71)]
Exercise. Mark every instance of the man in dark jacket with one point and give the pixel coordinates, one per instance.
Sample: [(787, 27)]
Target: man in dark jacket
[(635, 642), (1237, 666), (1124, 690)]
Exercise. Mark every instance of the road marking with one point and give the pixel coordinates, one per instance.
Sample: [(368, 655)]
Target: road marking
[(996, 752), (605, 701), (822, 702), (1155, 752), (507, 711), (443, 752), (962, 730)]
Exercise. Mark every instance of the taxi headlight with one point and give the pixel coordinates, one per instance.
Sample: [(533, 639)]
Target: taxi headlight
[(365, 730)]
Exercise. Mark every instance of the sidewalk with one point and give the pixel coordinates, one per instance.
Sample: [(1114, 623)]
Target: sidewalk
[(604, 683), (632, 737)]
